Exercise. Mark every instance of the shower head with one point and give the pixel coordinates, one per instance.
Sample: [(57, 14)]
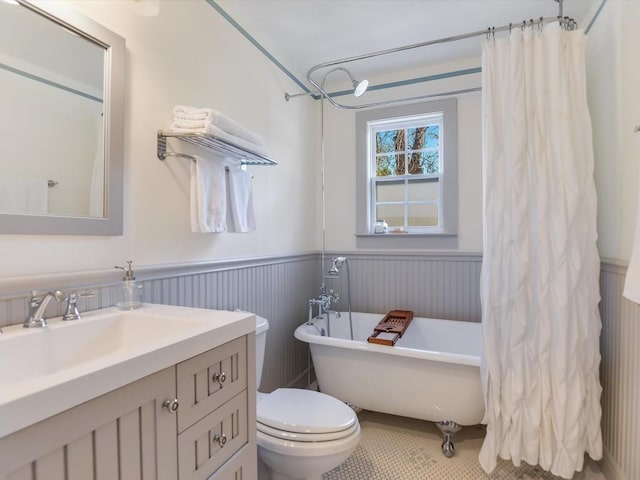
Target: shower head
[(359, 87), (334, 271)]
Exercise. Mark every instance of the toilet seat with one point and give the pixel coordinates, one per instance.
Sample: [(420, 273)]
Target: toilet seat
[(304, 415), (306, 437)]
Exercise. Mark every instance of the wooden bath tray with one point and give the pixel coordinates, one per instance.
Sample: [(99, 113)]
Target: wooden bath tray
[(394, 323)]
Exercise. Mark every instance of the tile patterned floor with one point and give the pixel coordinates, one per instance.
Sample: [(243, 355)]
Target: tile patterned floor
[(398, 448)]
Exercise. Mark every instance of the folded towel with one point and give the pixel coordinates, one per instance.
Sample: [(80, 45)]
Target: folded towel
[(183, 113), (23, 195), (208, 196), (223, 135), (241, 200)]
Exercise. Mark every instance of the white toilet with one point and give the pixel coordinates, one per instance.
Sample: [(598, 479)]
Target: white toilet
[(301, 433)]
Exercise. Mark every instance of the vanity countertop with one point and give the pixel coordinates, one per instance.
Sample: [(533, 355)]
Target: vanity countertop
[(44, 371)]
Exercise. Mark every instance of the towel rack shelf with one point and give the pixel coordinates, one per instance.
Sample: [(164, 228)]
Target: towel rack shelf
[(210, 142)]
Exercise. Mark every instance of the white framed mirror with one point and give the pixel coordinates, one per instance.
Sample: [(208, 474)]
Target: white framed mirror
[(61, 121)]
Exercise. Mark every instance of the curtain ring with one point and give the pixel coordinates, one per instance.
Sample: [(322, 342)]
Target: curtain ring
[(524, 25), (540, 23), (489, 33), (493, 33), (510, 26)]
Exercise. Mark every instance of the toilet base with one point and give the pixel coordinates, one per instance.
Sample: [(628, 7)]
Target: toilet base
[(278, 476), (304, 461)]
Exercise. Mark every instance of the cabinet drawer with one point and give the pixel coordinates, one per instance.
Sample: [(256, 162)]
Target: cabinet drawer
[(207, 381), (204, 447), (242, 466)]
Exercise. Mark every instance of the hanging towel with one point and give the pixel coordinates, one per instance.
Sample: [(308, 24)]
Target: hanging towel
[(19, 195), (208, 196), (632, 279), (223, 135), (191, 117), (241, 200)]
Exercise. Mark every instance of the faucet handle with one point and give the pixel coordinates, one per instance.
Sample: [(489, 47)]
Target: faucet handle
[(35, 301), (72, 312)]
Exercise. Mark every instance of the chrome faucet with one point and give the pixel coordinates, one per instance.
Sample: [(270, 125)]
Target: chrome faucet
[(72, 313), (37, 306), (324, 302)]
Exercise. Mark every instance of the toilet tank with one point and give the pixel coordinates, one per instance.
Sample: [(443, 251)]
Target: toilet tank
[(262, 325)]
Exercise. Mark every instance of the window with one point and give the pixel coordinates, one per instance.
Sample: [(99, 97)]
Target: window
[(407, 172)]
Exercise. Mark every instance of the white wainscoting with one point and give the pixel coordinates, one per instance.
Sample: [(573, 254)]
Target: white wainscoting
[(620, 376)]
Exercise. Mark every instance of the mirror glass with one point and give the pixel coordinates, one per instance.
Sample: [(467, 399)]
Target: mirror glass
[(60, 121)]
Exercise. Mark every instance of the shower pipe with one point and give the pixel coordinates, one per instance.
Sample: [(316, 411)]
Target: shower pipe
[(566, 22)]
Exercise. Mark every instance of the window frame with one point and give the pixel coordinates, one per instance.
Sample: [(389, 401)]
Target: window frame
[(443, 236), (405, 123)]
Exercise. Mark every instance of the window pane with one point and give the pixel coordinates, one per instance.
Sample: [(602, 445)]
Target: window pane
[(424, 162), (392, 214), (415, 166), (390, 191), (432, 137), (416, 137), (424, 190), (389, 165), (423, 215), (423, 137), (390, 141)]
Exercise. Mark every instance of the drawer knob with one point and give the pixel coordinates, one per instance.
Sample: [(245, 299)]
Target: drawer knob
[(220, 439), (219, 377), (171, 405)]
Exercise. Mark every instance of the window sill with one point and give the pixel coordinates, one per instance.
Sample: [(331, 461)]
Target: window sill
[(435, 240)]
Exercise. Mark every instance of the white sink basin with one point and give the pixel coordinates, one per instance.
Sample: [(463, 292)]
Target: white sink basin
[(44, 371), (36, 352)]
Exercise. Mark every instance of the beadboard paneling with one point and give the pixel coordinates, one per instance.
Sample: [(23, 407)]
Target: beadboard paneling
[(440, 286), (620, 376), (275, 288), (436, 286)]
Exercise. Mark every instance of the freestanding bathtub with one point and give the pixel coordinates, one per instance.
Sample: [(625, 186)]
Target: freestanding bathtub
[(432, 373)]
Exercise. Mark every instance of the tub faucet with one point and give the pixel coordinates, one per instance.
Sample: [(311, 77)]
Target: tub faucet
[(37, 306), (332, 312)]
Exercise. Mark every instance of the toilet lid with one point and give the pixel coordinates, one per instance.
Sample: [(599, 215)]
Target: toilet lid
[(304, 411)]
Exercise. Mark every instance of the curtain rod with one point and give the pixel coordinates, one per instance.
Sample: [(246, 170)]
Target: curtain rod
[(566, 22)]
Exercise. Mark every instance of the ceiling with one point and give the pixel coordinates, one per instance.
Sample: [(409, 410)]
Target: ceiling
[(304, 33)]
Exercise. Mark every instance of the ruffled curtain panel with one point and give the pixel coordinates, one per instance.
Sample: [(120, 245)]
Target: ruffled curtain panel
[(540, 287)]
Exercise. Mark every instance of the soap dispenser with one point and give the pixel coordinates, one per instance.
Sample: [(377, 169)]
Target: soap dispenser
[(130, 292)]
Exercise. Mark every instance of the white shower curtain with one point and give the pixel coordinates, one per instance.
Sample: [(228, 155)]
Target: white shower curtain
[(540, 287)]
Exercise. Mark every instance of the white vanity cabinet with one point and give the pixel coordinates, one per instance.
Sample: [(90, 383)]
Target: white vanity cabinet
[(130, 433)]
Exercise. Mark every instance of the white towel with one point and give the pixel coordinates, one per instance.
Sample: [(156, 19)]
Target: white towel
[(191, 117), (208, 196), (241, 200), (223, 135), (632, 279), (23, 195)]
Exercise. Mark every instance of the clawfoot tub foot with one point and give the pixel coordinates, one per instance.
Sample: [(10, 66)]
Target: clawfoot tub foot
[(448, 428)]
